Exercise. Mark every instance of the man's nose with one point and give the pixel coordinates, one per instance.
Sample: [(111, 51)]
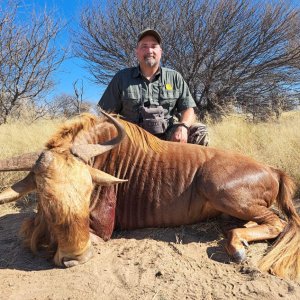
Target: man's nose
[(149, 49)]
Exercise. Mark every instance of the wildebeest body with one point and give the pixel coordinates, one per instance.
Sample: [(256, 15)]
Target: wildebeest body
[(168, 184), (183, 184)]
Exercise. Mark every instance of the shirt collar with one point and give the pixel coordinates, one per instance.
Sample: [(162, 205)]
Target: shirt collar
[(137, 72)]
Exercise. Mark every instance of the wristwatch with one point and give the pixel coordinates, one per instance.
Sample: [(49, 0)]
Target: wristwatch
[(184, 125)]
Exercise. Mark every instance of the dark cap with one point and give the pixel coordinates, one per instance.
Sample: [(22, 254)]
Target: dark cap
[(151, 32)]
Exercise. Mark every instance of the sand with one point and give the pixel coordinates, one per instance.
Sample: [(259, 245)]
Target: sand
[(187, 262)]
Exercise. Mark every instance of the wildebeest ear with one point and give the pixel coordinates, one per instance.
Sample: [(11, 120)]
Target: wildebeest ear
[(19, 189), (102, 178)]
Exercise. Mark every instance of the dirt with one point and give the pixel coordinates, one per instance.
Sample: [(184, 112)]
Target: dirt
[(188, 262)]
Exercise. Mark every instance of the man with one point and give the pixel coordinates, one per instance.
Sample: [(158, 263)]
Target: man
[(156, 98)]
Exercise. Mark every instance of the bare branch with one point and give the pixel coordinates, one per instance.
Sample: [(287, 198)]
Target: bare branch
[(28, 56)]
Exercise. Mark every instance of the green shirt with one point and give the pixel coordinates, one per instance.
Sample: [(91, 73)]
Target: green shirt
[(129, 90)]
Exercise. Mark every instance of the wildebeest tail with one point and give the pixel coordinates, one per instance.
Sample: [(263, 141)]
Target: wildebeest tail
[(284, 257)]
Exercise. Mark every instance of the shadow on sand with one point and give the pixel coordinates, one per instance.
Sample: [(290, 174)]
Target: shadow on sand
[(14, 256)]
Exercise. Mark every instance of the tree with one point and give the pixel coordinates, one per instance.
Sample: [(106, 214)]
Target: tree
[(28, 57), (109, 33), (67, 106), (232, 53)]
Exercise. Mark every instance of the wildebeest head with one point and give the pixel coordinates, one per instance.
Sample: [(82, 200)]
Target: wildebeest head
[(64, 182)]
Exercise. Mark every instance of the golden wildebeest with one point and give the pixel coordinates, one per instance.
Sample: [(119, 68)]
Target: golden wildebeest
[(163, 184)]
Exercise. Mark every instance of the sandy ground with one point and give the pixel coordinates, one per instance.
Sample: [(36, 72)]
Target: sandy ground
[(188, 262)]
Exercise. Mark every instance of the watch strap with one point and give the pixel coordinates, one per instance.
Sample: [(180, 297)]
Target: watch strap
[(184, 125)]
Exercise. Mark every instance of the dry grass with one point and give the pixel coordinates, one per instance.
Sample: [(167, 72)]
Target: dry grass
[(275, 143), (19, 137)]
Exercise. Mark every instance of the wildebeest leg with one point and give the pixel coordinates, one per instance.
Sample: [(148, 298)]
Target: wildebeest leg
[(268, 227)]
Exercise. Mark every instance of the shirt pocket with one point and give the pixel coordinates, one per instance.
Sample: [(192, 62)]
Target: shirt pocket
[(168, 99), (131, 103)]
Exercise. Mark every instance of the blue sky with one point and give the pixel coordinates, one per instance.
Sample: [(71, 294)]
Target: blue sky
[(72, 69)]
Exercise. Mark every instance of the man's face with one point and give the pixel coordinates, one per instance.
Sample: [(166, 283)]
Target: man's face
[(148, 51)]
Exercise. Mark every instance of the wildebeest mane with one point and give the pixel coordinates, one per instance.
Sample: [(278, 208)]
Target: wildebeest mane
[(142, 139), (66, 134)]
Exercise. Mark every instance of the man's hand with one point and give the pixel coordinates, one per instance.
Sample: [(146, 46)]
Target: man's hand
[(181, 132), (180, 135)]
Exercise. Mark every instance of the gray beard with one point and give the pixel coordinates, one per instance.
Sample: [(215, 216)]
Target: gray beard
[(150, 61)]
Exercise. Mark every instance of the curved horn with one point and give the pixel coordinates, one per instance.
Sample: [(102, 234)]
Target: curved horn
[(121, 133), (85, 152), (102, 178), (19, 163), (19, 189)]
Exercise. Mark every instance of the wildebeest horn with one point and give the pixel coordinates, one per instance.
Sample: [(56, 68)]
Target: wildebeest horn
[(103, 178), (85, 152), (24, 162), (19, 189)]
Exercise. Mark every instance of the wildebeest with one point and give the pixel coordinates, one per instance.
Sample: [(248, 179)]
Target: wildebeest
[(162, 184)]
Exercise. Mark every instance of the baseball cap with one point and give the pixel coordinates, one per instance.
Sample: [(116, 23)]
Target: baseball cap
[(151, 32)]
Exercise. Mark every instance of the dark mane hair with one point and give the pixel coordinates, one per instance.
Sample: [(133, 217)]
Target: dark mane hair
[(67, 132), (143, 139)]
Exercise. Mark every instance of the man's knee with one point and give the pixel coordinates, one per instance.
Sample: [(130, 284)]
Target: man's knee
[(198, 134)]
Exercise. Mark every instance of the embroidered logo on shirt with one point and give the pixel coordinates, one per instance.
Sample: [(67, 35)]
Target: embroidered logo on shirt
[(169, 87)]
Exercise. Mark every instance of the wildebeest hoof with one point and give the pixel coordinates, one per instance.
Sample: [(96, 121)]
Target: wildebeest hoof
[(240, 256)]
